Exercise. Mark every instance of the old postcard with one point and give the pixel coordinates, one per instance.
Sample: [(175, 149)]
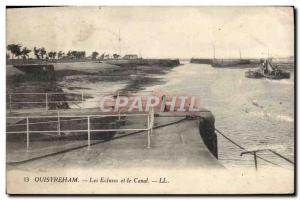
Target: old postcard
[(150, 100)]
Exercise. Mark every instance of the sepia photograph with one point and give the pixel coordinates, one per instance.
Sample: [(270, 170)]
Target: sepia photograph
[(150, 100)]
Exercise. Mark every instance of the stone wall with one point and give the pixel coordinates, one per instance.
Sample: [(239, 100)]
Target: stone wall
[(207, 132)]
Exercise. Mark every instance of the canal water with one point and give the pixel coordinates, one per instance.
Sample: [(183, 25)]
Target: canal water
[(255, 113)]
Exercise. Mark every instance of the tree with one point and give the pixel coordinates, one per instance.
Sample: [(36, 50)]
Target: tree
[(36, 52), (102, 56), (74, 54), (78, 54), (43, 52), (116, 56), (25, 52), (82, 54), (69, 54), (52, 54), (94, 55), (106, 56), (60, 55), (39, 52), (15, 49), (7, 56)]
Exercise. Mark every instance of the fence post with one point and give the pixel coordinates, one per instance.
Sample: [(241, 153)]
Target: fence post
[(58, 123), (148, 135), (119, 108), (89, 133), (46, 101), (255, 160), (27, 133), (82, 100), (9, 102), (254, 153), (151, 120), (163, 103)]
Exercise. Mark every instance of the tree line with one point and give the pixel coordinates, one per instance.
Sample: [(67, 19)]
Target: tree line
[(18, 51)]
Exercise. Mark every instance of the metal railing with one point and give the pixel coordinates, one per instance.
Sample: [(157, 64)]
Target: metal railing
[(254, 153), (45, 98), (89, 130)]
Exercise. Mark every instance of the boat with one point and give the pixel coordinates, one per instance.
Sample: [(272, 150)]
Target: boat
[(146, 62), (278, 75), (201, 60), (230, 63), (268, 70), (273, 72), (253, 74)]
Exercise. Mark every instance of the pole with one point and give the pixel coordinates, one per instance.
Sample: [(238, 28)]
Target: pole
[(58, 123), (82, 100), (89, 134), (254, 153), (151, 120), (9, 102), (148, 135), (119, 38), (255, 160), (163, 103), (119, 108), (27, 133), (46, 101), (214, 52)]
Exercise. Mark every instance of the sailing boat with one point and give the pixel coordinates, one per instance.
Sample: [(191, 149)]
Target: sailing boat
[(230, 62), (272, 72), (268, 70)]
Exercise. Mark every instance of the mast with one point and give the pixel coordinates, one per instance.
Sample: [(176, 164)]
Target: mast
[(240, 53), (119, 39), (214, 52)]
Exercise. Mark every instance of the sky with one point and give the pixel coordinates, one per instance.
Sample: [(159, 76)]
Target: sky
[(156, 32)]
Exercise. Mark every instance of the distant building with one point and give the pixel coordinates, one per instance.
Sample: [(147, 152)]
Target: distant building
[(130, 56)]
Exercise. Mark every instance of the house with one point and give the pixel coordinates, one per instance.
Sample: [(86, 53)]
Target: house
[(130, 56)]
